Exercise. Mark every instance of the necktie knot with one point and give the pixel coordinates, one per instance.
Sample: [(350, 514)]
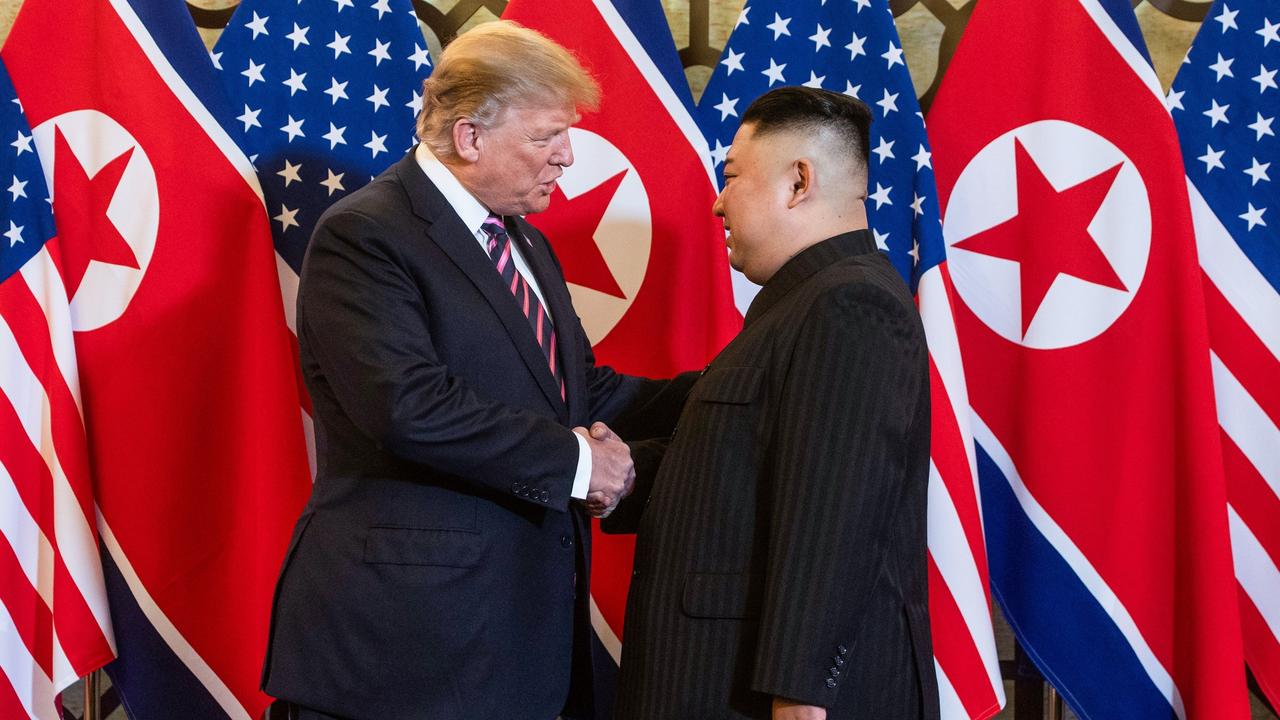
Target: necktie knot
[(496, 229), (494, 225)]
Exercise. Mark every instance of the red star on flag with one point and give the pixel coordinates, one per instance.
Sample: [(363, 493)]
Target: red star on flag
[(1050, 234), (571, 225), (81, 202)]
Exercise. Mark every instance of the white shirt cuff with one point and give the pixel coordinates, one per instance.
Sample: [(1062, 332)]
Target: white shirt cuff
[(582, 478)]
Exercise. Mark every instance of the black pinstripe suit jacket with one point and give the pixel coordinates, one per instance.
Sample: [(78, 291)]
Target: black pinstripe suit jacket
[(781, 544)]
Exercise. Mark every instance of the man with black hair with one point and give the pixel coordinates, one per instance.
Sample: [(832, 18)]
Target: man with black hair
[(780, 570)]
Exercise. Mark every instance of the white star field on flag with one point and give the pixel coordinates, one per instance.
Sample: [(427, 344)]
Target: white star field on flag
[(1213, 102), (329, 92)]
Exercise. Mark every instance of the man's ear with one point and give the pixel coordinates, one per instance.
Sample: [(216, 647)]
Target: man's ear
[(466, 139), (802, 176)]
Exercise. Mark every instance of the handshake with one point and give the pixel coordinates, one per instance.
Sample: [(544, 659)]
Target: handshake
[(613, 474)]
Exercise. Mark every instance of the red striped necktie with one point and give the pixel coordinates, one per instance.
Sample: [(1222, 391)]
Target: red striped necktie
[(544, 331)]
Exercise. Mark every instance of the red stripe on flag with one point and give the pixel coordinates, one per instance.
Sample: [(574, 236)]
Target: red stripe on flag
[(30, 474), (1253, 499), (948, 454), (82, 638), (10, 704), (1261, 649), (1248, 359), (30, 614), (956, 651), (30, 326)]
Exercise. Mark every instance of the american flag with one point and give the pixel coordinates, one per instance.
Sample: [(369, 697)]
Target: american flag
[(54, 621), (1224, 100), (853, 48), (327, 93)]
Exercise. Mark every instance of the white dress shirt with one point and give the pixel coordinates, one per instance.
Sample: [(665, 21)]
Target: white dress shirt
[(473, 214)]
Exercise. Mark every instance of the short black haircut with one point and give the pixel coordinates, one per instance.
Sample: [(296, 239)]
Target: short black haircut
[(805, 109)]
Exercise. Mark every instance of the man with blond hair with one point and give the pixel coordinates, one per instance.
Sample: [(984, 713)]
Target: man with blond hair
[(440, 569)]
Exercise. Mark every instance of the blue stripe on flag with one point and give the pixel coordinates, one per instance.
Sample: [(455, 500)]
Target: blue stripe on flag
[(1121, 12), (648, 21), (1033, 583), (153, 683)]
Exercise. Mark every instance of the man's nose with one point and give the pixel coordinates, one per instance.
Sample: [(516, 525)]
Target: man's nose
[(718, 208), (563, 155)]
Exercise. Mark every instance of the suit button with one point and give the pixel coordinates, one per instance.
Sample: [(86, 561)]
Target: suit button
[(544, 496), (842, 650), (516, 487), (839, 661), (566, 541), (831, 682), (835, 671)]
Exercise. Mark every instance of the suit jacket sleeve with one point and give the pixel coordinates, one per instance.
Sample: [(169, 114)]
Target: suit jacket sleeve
[(835, 475), (363, 318), (647, 456)]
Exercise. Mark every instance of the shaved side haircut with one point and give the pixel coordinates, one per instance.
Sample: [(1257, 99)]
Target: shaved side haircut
[(814, 112)]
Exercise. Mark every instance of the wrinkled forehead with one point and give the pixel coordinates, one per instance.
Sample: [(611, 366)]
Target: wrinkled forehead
[(541, 114)]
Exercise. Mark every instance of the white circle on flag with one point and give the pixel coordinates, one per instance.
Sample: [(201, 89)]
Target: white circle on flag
[(95, 139), (625, 233), (1073, 310)]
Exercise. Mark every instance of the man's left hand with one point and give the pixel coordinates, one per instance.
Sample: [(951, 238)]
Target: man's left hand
[(784, 709)]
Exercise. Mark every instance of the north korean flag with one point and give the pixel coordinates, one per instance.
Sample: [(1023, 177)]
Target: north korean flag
[(1082, 323), (631, 221), (190, 401)]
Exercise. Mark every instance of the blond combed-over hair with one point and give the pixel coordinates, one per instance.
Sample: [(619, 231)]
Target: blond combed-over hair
[(495, 66)]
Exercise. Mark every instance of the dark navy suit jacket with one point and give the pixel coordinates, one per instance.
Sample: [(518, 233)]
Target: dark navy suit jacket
[(440, 569)]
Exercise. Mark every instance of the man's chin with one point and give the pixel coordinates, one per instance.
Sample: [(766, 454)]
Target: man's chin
[(537, 205)]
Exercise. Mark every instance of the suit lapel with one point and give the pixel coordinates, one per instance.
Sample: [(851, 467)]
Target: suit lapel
[(556, 294), (446, 230)]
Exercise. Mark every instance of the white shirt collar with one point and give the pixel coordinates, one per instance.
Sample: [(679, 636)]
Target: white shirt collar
[(472, 212)]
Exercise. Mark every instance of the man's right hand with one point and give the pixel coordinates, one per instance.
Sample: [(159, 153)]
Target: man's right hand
[(612, 472)]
